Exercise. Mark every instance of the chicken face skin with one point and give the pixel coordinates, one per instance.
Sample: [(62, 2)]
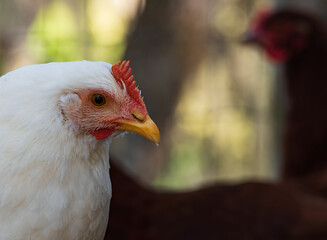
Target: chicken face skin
[(112, 112)]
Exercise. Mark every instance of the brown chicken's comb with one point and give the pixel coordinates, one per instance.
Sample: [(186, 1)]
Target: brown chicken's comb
[(123, 76)]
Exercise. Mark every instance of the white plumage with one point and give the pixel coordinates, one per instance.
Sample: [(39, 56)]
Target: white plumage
[(54, 178)]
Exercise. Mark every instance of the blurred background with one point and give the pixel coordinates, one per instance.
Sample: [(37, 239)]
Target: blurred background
[(218, 104)]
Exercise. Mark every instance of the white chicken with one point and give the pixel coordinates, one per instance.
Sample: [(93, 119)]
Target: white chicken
[(56, 124)]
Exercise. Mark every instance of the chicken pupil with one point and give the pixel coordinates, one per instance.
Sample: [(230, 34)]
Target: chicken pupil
[(98, 99)]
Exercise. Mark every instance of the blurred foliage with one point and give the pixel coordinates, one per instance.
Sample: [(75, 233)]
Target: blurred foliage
[(223, 129), (59, 33), (53, 35)]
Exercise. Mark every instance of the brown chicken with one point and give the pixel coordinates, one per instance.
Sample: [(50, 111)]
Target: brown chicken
[(299, 41), (255, 211)]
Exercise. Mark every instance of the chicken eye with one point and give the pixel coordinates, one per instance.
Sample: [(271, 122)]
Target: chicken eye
[(98, 100)]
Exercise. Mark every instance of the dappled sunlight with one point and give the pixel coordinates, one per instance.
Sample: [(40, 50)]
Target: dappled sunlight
[(223, 130), (237, 20), (54, 35), (108, 29), (96, 30), (211, 129)]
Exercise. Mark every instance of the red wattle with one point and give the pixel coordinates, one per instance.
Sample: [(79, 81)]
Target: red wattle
[(102, 133)]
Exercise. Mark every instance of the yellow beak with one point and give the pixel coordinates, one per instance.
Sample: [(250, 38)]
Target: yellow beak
[(146, 128)]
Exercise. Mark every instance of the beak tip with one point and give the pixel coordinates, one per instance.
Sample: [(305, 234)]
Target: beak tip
[(155, 136), (157, 141)]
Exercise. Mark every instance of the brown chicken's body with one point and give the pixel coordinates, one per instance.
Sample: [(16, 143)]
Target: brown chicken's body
[(306, 129), (255, 211)]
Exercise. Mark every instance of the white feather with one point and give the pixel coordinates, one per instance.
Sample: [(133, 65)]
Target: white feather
[(54, 184)]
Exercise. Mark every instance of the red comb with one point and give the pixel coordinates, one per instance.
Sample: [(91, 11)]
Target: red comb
[(123, 76)]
